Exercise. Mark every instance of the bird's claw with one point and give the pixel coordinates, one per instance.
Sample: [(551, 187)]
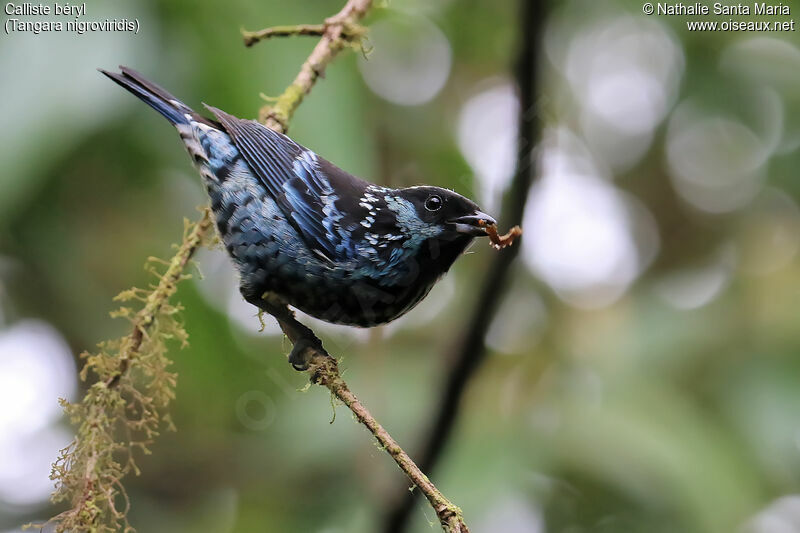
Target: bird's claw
[(302, 352)]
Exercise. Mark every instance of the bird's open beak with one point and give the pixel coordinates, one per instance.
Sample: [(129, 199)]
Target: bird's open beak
[(474, 224)]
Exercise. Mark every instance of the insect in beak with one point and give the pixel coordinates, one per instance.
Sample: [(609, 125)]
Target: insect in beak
[(474, 224)]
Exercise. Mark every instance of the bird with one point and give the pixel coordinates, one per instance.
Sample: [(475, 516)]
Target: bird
[(306, 234)]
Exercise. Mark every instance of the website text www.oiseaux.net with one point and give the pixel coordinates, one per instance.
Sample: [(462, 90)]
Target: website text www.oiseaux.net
[(777, 16)]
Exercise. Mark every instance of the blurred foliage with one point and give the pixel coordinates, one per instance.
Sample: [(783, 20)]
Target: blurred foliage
[(645, 414)]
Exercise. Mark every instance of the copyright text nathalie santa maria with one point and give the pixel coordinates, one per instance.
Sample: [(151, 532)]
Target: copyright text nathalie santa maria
[(718, 8)]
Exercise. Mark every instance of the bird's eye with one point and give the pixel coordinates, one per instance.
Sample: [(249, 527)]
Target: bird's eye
[(433, 203)]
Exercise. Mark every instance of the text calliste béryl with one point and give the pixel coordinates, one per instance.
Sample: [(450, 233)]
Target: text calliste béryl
[(31, 9)]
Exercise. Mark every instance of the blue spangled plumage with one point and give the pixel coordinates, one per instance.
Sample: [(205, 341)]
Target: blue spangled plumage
[(306, 232)]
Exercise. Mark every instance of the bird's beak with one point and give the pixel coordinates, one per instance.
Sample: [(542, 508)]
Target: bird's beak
[(474, 224)]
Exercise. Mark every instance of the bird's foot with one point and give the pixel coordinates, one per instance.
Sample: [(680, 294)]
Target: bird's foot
[(303, 351), (306, 343)]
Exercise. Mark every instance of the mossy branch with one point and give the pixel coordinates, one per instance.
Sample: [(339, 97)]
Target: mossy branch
[(338, 32), (132, 390), (194, 236), (252, 37)]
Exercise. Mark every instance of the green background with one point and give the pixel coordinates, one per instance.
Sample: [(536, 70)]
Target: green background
[(657, 391)]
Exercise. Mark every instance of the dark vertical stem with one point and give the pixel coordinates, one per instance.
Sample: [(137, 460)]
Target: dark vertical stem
[(471, 350)]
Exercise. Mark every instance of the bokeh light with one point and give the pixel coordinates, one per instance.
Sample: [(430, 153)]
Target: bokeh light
[(781, 516), (624, 73), (36, 369), (691, 288), (410, 59), (770, 234), (512, 514), (487, 137), (584, 237), (716, 163), (219, 285), (520, 321)]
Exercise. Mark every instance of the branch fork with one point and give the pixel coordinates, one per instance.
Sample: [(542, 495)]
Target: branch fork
[(337, 32), (351, 32)]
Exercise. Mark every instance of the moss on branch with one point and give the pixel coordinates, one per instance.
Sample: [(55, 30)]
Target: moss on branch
[(338, 32), (124, 409), (252, 37)]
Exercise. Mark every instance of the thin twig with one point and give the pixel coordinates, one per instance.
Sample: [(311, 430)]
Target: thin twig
[(252, 37), (325, 371), (339, 31), (471, 350)]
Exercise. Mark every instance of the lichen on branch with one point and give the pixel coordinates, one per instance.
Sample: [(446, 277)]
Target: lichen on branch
[(338, 32), (125, 407), (252, 37)]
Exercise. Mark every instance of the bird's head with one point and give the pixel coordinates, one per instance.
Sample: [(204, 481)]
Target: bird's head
[(456, 216)]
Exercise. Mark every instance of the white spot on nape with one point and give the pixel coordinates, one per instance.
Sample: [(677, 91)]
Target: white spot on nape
[(375, 189)]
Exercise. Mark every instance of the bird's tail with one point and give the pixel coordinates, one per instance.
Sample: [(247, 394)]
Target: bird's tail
[(167, 105)]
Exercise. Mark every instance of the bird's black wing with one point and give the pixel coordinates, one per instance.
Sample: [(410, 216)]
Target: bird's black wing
[(318, 199)]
